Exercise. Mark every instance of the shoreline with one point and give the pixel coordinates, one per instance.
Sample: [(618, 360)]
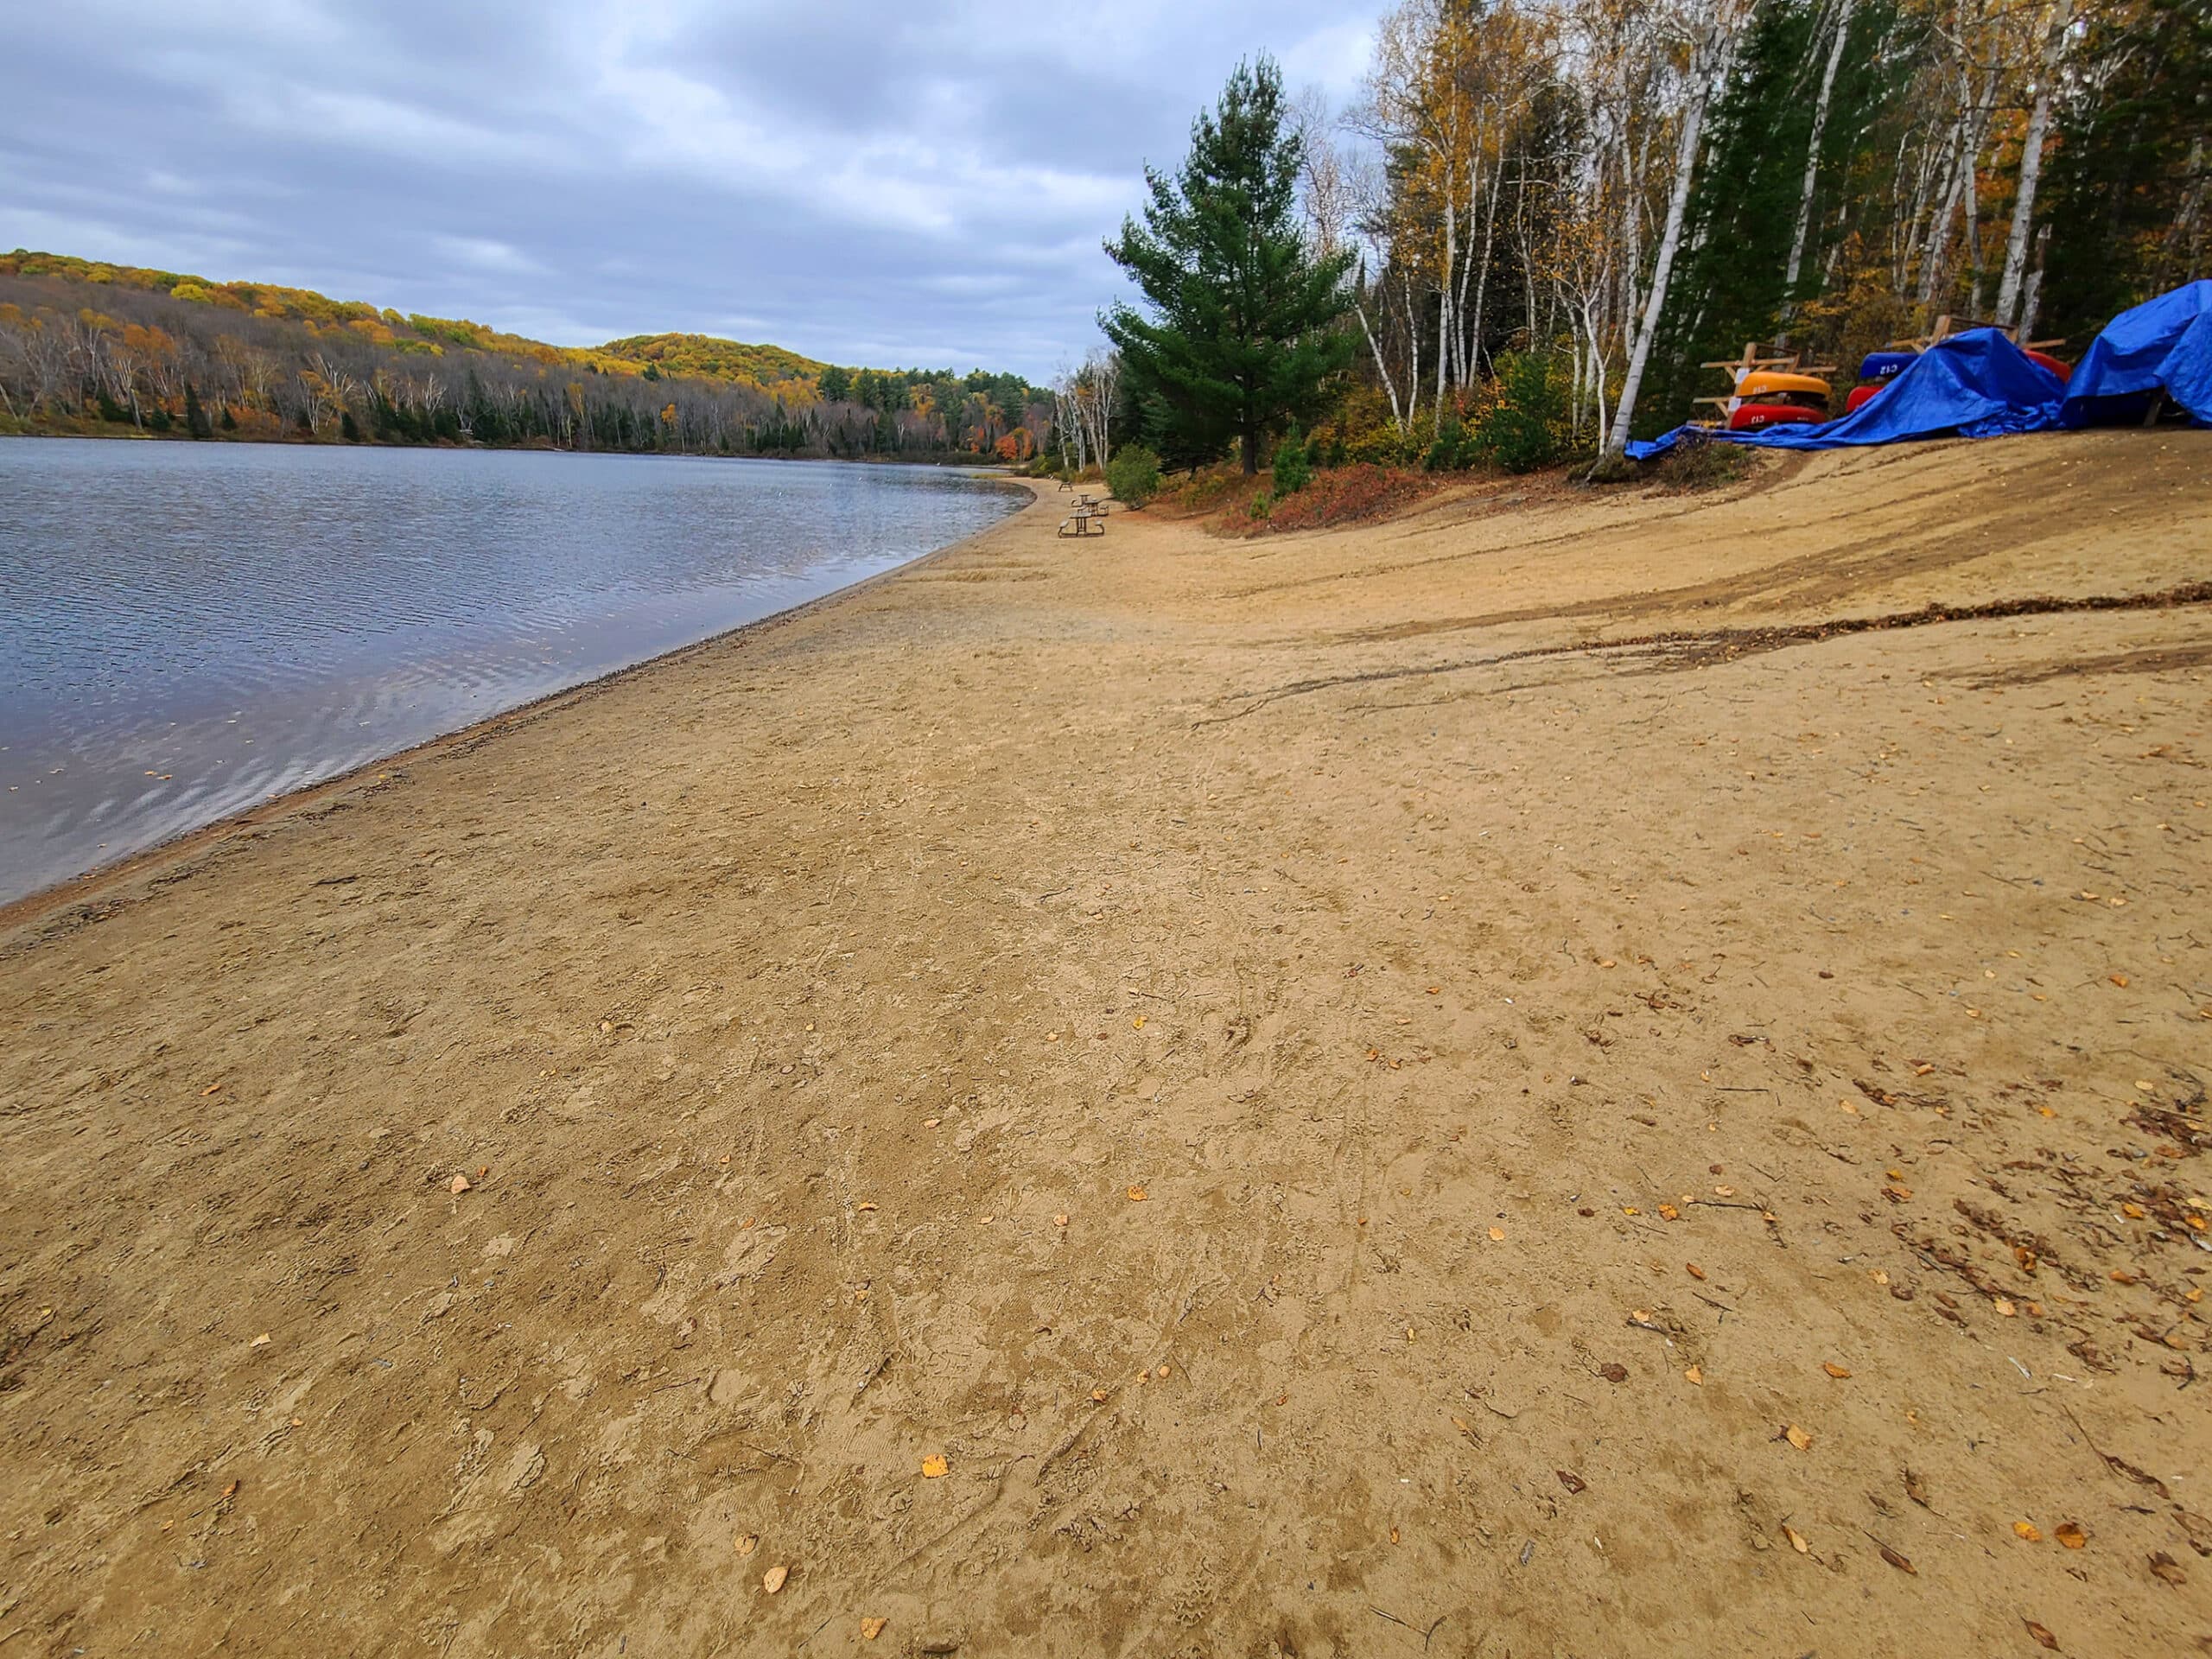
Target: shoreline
[(27, 919), (1591, 1075)]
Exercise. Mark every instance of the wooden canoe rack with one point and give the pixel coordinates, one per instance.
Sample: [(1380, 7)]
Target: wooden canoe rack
[(1948, 325), (1752, 360)]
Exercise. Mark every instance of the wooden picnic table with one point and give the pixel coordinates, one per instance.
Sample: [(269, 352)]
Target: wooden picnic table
[(1087, 512)]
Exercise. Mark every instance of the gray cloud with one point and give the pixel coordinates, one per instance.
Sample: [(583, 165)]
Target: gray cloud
[(860, 181)]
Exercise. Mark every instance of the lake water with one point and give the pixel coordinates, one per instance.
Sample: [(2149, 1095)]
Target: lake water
[(188, 629)]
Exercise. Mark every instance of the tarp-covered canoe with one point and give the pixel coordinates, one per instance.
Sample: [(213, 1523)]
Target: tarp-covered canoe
[(2162, 345)]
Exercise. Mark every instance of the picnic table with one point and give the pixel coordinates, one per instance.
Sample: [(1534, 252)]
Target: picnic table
[(1087, 512)]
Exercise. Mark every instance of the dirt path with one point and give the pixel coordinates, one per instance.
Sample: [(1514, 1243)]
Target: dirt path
[(1344, 1138)]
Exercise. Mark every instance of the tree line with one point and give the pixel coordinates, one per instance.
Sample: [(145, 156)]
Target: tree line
[(1539, 217), (86, 347)]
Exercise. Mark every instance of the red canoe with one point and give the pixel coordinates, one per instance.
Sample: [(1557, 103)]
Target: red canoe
[(1750, 418)]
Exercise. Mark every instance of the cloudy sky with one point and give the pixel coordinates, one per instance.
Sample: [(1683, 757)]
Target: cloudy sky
[(864, 182)]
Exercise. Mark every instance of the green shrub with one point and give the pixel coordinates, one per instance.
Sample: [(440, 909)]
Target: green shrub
[(1133, 475), (1526, 427), (1293, 467)]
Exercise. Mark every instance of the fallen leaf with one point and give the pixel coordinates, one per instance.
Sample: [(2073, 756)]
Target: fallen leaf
[(2120, 980), (1796, 1542), (1693, 1270), (872, 1628), (1608, 963), (1898, 1562), (1835, 1371), (1497, 1235), (2165, 1566), (1615, 1373), (1878, 1276), (1099, 1394), (1797, 1437), (1573, 1483), (934, 1465), (231, 1490), (1394, 1534), (2027, 1529), (866, 1207), (1162, 1372), (2004, 1309), (1668, 1213), (209, 1090), (2069, 1534), (261, 1341), (772, 1579), (1137, 1195), (1060, 1221), (1695, 1374), (747, 1542), (1918, 1494), (1630, 1210), (1725, 1191), (2041, 1635), (1137, 1024), (2133, 1211), (458, 1185)]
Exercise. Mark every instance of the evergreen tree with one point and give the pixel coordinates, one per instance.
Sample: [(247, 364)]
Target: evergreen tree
[(836, 384), (1238, 333), (195, 416)]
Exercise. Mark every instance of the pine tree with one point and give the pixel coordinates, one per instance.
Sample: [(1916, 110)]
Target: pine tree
[(195, 416), (1238, 331)]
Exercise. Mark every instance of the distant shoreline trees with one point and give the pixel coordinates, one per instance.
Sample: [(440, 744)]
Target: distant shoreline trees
[(93, 349)]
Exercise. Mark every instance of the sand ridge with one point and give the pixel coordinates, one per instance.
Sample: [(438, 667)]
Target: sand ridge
[(1541, 1075)]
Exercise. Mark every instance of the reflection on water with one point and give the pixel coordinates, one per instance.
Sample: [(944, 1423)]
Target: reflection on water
[(186, 629)]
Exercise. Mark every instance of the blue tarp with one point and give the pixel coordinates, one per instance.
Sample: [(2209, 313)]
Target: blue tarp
[(1977, 385), (2163, 345)]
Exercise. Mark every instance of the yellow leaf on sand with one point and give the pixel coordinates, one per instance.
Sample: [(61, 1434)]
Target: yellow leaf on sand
[(1835, 1371), (2133, 1211), (772, 1579), (2069, 1534), (1878, 1276), (2005, 1309), (864, 1207), (1137, 1195), (934, 1465), (261, 1341), (458, 1185), (1796, 1542), (1696, 1375), (2027, 1530), (1797, 1437), (2121, 980), (1060, 1221), (1137, 1024), (747, 1542), (1693, 1270), (1497, 1235), (1098, 1395), (872, 1628)]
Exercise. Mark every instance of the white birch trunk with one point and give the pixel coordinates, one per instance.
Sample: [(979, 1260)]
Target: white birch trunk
[(2024, 199), (1709, 66), (1813, 159)]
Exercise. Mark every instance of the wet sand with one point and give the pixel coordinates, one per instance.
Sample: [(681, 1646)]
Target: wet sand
[(1353, 1113)]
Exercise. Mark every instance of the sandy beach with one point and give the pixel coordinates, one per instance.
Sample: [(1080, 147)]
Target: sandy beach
[(1515, 1081)]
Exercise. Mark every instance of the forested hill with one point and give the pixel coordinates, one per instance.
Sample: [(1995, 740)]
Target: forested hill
[(94, 348)]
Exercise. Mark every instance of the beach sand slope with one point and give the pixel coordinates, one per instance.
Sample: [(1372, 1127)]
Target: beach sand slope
[(1354, 1111)]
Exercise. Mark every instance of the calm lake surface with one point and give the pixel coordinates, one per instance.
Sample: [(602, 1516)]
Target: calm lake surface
[(188, 629)]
